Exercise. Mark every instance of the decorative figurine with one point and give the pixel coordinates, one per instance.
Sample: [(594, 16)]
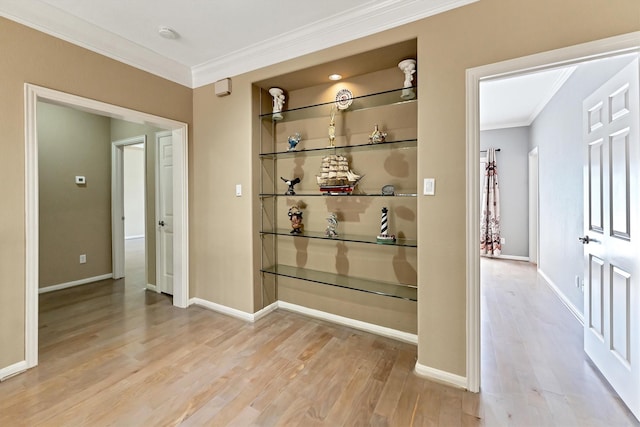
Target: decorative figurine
[(290, 183), (295, 216), (388, 190), (332, 128), (278, 102), (330, 231), (408, 67), (377, 136), (293, 141), (383, 237)]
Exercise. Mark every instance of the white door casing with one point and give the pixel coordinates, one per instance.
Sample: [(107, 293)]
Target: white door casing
[(533, 206), (617, 45), (164, 212), (611, 134), (34, 94), (117, 202)]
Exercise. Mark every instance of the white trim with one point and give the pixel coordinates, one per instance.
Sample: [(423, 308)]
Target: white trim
[(556, 290), (33, 94), (74, 283), (180, 217), (571, 55), (152, 288), (440, 376), (117, 202), (12, 370), (346, 26), (137, 236), (238, 314), (32, 233), (508, 257), (352, 323)]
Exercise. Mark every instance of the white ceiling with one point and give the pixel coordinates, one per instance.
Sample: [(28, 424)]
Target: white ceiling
[(517, 101), (218, 39)]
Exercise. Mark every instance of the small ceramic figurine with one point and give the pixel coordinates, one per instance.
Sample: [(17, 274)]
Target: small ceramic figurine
[(384, 237), (408, 67), (290, 183), (295, 216), (332, 128), (293, 141), (278, 102), (330, 231), (377, 136)]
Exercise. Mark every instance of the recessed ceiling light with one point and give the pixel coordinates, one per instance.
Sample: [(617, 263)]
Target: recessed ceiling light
[(335, 77), (168, 33)]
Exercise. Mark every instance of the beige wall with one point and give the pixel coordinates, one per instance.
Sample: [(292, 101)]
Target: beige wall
[(74, 219), (223, 265), (29, 56), (222, 269)]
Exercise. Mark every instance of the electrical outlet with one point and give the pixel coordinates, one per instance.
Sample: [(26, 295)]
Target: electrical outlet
[(503, 240), (83, 259)]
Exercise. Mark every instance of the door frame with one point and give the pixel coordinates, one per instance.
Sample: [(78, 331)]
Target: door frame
[(613, 46), (33, 94), (117, 201), (534, 211)]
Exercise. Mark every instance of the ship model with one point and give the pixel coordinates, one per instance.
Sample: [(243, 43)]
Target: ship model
[(336, 177)]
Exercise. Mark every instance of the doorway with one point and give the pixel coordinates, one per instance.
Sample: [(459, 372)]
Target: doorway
[(595, 50), (34, 94)]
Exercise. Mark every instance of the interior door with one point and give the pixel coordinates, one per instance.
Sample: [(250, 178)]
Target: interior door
[(164, 212), (612, 298)]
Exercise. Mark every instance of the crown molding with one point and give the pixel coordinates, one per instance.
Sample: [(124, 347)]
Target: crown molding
[(54, 22), (351, 25), (339, 28)]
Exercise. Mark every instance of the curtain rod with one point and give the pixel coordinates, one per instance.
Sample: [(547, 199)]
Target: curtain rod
[(484, 151)]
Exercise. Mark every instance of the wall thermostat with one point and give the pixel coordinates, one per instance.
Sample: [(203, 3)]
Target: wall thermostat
[(81, 180)]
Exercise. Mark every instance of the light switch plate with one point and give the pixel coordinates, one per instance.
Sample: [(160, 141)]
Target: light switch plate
[(429, 187), (238, 190), (81, 180)]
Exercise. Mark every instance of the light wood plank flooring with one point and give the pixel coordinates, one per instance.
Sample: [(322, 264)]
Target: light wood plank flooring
[(114, 354)]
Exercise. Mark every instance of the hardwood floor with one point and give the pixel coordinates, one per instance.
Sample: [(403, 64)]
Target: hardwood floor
[(112, 353)]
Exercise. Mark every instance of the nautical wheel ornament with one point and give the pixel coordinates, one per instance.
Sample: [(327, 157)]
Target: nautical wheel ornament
[(344, 98)]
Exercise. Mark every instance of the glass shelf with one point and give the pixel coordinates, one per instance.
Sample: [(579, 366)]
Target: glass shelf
[(338, 195), (390, 97), (342, 238), (404, 143), (402, 291)]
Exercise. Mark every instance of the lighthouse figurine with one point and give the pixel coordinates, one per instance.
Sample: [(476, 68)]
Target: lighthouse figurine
[(384, 237)]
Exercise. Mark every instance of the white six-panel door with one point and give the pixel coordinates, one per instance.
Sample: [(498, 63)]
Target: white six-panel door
[(611, 178), (164, 212)]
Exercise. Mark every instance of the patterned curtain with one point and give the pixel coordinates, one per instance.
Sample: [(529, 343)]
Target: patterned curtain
[(490, 221)]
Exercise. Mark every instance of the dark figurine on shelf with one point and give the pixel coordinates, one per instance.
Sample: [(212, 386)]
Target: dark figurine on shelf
[(295, 216), (291, 183), (293, 141)]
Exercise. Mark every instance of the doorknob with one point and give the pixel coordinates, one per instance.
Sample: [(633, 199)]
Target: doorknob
[(586, 240), (161, 223)]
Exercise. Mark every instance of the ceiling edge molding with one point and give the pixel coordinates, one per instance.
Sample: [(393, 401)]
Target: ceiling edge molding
[(357, 23), (560, 81), (88, 36), (505, 125)]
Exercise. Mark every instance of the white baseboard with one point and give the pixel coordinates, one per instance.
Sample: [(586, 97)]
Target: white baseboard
[(12, 370), (238, 314), (345, 321), (74, 283), (440, 376), (151, 287), (508, 257), (138, 236), (572, 308), (352, 323)]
